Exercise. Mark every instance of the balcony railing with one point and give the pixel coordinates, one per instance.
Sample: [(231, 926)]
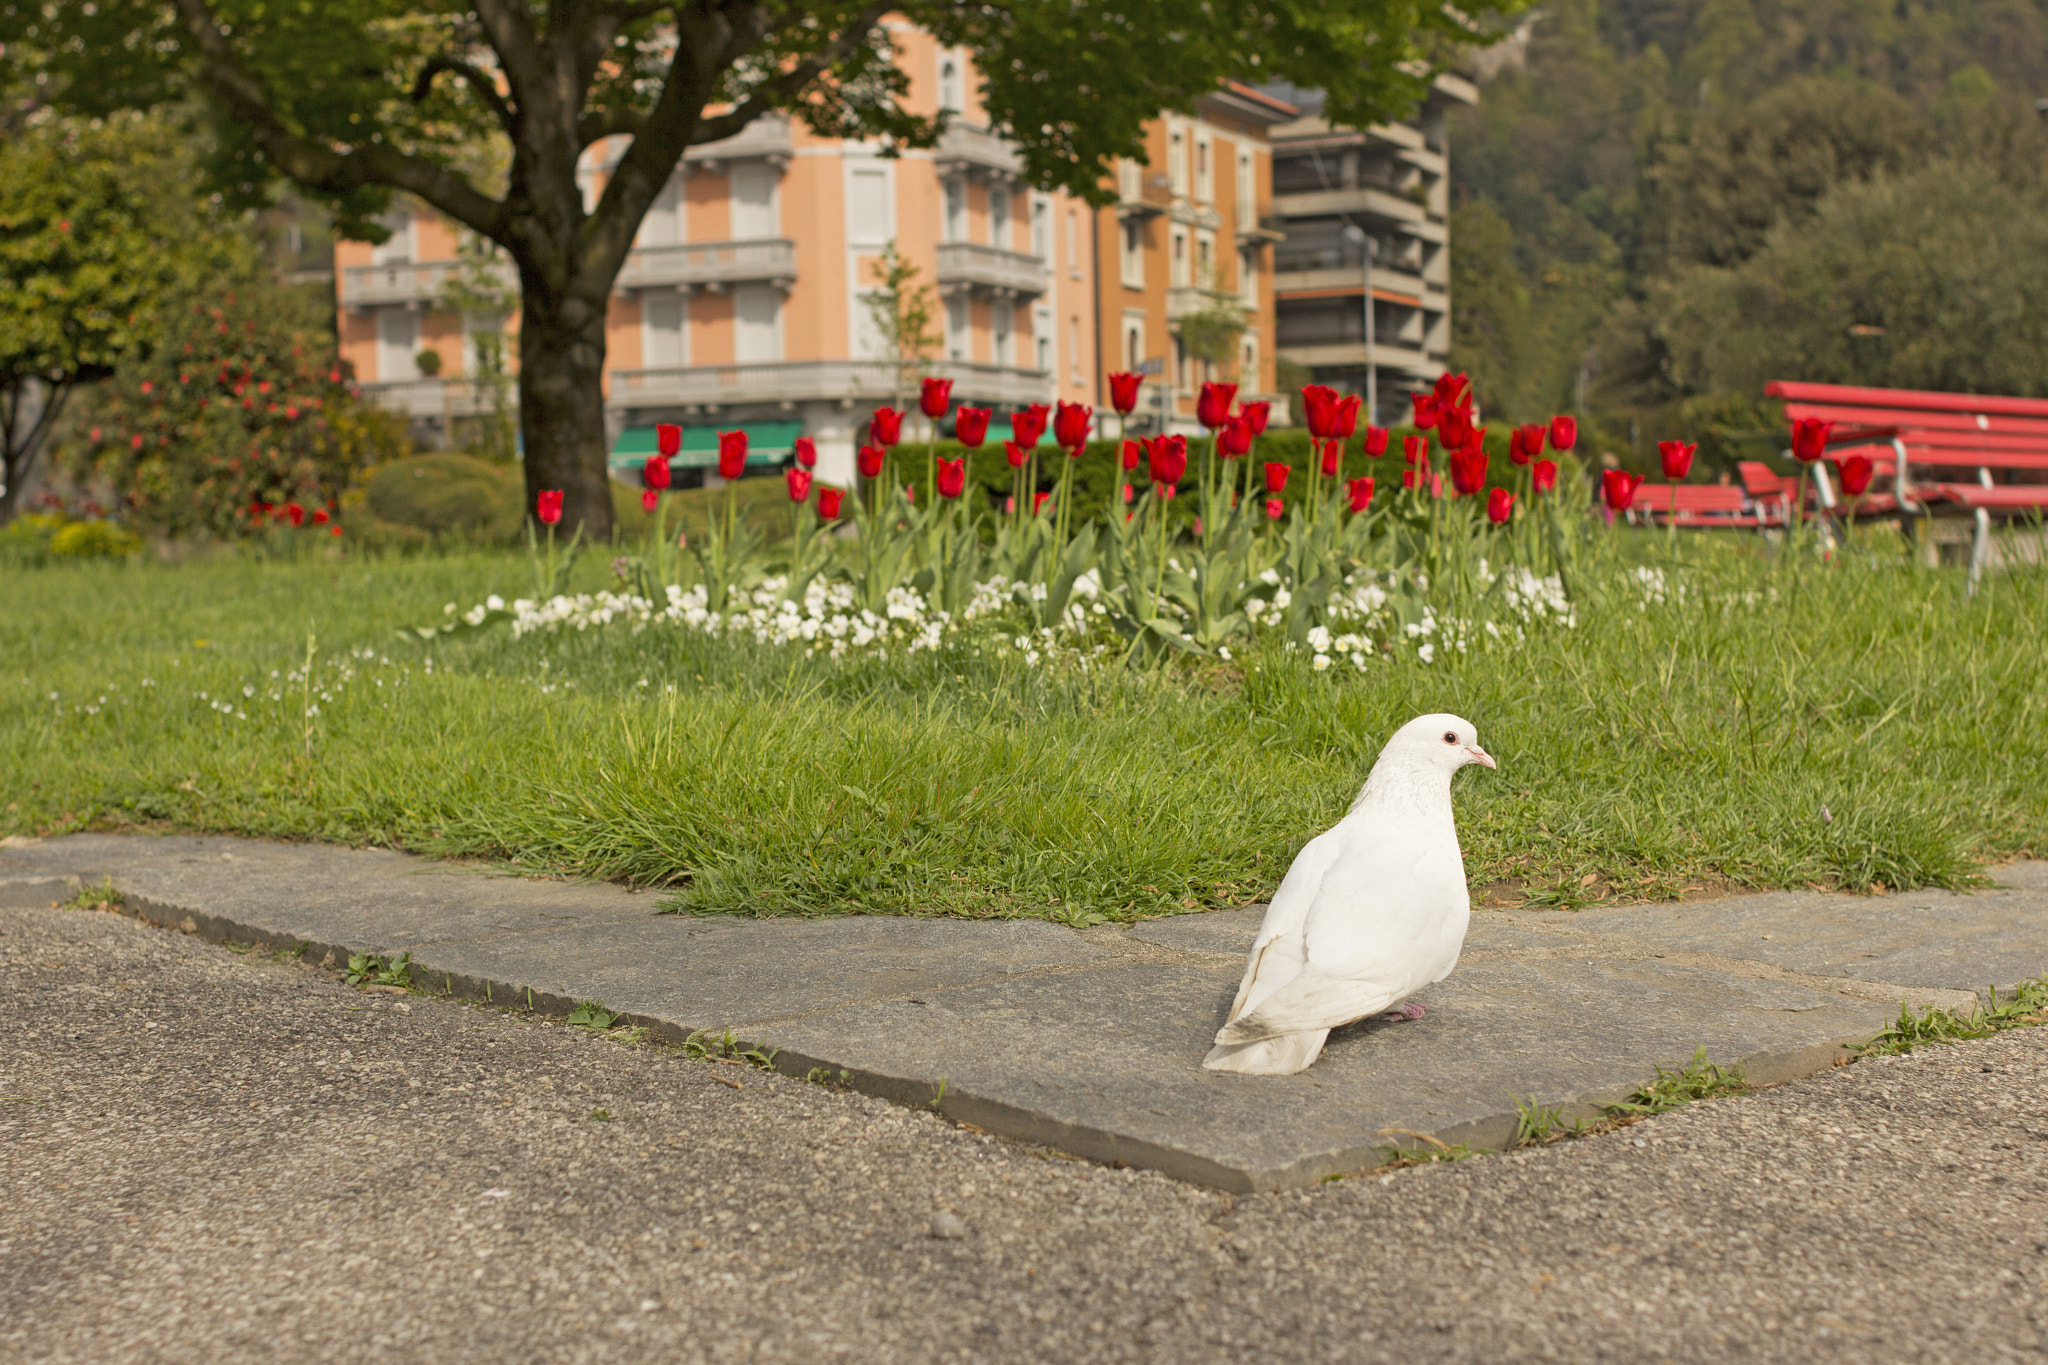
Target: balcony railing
[(1183, 299), (991, 268), (693, 263), (964, 147), (434, 397), (794, 381), (410, 282)]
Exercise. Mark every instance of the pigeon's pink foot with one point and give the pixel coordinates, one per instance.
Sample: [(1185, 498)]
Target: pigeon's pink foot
[(1412, 1010)]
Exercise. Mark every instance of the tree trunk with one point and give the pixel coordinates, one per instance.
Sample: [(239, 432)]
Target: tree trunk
[(561, 398)]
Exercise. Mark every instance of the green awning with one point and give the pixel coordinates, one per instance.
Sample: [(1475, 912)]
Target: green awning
[(767, 443)]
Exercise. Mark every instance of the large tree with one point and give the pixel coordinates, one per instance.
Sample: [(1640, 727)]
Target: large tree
[(357, 99)]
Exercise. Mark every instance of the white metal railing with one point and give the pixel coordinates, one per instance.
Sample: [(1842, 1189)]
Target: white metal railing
[(765, 258), (991, 267), (784, 381)]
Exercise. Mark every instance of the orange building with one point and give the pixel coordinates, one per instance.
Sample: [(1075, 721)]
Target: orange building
[(745, 301)]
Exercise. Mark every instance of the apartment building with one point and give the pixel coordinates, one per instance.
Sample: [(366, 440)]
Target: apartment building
[(1348, 199), (1186, 280), (745, 300)]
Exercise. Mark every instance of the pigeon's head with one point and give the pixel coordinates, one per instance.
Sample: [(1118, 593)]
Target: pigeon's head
[(1439, 741)]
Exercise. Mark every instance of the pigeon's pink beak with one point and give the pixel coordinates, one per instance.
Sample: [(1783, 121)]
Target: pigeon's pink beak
[(1481, 756)]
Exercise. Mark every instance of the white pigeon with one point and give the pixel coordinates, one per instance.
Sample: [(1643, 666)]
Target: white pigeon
[(1371, 912)]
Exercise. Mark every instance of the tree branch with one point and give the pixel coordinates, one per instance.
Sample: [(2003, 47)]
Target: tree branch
[(322, 167), (479, 81), (602, 123), (770, 93)]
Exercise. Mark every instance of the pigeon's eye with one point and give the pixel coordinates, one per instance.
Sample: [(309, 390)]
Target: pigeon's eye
[(1450, 736)]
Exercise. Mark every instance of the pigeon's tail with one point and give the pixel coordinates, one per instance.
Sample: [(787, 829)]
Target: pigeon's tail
[(1282, 1056)]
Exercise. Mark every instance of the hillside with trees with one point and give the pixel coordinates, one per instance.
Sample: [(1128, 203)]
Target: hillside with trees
[(1659, 205)]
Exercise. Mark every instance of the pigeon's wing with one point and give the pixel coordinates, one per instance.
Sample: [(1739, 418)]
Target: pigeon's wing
[(1278, 951), (1372, 931)]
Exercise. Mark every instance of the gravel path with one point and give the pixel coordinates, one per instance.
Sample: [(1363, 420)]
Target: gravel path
[(212, 1157)]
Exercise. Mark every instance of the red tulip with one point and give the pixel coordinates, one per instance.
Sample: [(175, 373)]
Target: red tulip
[(1333, 451), (970, 425), (807, 452), (1452, 391), (1123, 391), (1415, 450), (799, 481), (1618, 487), (1276, 477), (1129, 455), (1318, 402), (1256, 415), (1375, 440), (1129, 492), (1274, 507), (1500, 505), (654, 475), (1038, 502), (952, 477), (1168, 456), (1027, 426), (871, 458), (1427, 412), (548, 506), (1017, 455), (1856, 472), (1810, 438), (1454, 428), (886, 427), (1411, 478), (1543, 477), (668, 440), (1564, 432), (1676, 457), (732, 454), (1070, 422), (334, 530), (648, 498), (1532, 442), (1468, 469), (296, 513), (1361, 494), (1235, 439), (936, 398), (1212, 404), (1344, 416), (828, 502), (320, 513)]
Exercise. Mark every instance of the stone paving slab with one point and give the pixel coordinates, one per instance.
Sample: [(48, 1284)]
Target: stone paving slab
[(1092, 1040)]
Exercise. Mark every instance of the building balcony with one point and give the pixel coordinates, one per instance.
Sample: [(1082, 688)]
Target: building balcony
[(976, 152), (766, 138), (440, 397), (712, 265), (1386, 205), (990, 269), (850, 383), (1388, 285), (410, 282), (1386, 356)]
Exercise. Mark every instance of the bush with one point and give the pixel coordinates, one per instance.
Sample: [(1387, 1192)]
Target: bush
[(241, 407), (447, 494), (93, 540)]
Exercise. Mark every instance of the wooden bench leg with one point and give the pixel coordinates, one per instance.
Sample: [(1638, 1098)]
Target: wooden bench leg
[(1980, 549)]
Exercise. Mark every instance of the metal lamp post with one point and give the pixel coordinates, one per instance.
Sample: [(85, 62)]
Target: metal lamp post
[(1367, 249)]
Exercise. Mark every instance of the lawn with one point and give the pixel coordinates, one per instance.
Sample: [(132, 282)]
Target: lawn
[(1859, 724)]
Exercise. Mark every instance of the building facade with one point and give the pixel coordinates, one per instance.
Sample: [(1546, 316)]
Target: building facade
[(1185, 269), (746, 299), (1347, 199)]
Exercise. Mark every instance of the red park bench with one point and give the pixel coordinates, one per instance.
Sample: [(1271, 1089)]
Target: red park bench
[(1938, 455), (1702, 505)]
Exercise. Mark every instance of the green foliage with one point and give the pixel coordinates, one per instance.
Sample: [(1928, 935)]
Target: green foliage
[(905, 314), (37, 537), (2026, 1007), (1676, 1086), (241, 407), (447, 494), (370, 969), (1896, 281), (705, 1046)]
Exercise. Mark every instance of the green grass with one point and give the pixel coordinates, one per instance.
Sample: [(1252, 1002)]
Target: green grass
[(2026, 1007), (1651, 749)]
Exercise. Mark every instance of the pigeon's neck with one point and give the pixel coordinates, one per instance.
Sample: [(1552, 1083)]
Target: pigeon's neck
[(1413, 793)]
